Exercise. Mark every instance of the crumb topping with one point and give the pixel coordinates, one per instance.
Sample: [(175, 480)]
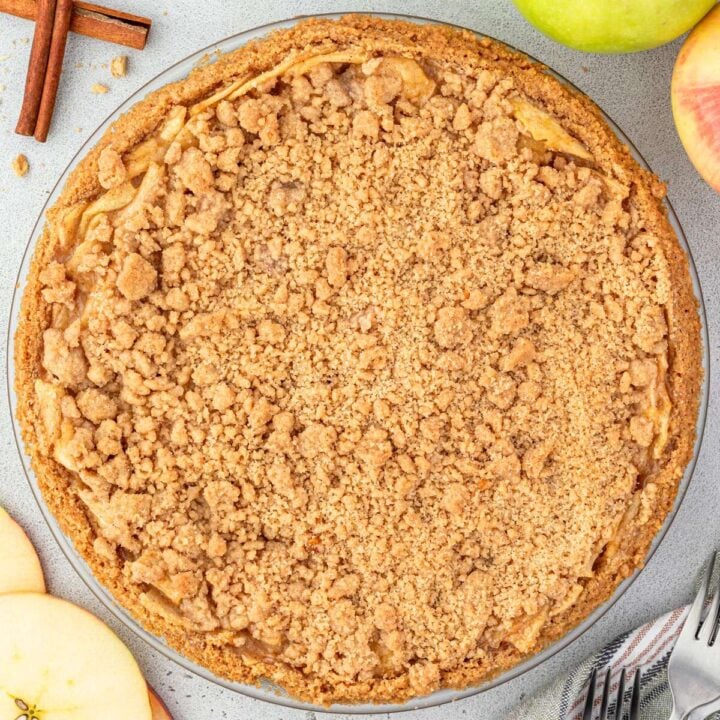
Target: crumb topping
[(20, 165), (363, 372), (118, 66)]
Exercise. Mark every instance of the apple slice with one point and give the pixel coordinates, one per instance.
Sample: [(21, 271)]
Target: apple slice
[(158, 707), (59, 662), (696, 97), (20, 569), (543, 128)]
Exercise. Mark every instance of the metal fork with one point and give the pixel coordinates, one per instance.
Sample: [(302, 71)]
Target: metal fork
[(591, 698), (694, 667)]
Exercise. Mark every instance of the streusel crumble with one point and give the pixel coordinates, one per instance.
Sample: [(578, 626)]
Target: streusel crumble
[(364, 360)]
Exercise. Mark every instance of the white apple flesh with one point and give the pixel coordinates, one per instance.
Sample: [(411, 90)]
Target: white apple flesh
[(59, 662), (20, 569)]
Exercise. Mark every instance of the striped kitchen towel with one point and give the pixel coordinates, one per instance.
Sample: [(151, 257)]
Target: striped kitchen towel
[(647, 647)]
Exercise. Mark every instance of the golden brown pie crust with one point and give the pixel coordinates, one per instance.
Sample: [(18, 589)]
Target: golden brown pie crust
[(451, 327)]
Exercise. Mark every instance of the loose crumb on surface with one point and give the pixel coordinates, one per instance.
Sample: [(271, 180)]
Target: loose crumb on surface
[(20, 165), (99, 89), (118, 66)]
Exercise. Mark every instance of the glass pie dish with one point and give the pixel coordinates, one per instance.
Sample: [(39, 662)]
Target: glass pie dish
[(269, 692)]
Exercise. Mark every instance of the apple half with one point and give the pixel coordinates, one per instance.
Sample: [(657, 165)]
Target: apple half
[(20, 569), (59, 662)]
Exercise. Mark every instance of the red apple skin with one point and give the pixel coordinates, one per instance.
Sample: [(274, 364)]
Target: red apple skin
[(158, 707), (696, 97)]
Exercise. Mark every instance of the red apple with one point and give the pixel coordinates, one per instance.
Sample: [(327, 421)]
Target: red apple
[(696, 97), (158, 707)]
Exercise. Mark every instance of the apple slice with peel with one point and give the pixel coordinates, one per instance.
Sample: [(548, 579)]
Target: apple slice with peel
[(158, 707), (59, 662), (20, 569)]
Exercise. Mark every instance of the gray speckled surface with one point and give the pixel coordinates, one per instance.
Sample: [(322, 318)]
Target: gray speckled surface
[(634, 90)]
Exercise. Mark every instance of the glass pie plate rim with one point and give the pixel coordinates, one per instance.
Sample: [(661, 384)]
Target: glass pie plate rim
[(269, 692)]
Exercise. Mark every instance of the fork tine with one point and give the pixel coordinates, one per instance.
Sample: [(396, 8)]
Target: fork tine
[(692, 669), (590, 699), (606, 695), (620, 697), (635, 698), (707, 629), (694, 618)]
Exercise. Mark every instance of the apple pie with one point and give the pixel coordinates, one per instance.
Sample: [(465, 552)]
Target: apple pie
[(363, 360)]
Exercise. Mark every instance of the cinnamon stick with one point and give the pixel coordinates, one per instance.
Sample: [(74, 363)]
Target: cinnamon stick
[(37, 66), (61, 26), (92, 20)]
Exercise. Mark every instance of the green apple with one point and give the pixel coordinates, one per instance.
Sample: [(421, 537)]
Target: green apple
[(613, 26)]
